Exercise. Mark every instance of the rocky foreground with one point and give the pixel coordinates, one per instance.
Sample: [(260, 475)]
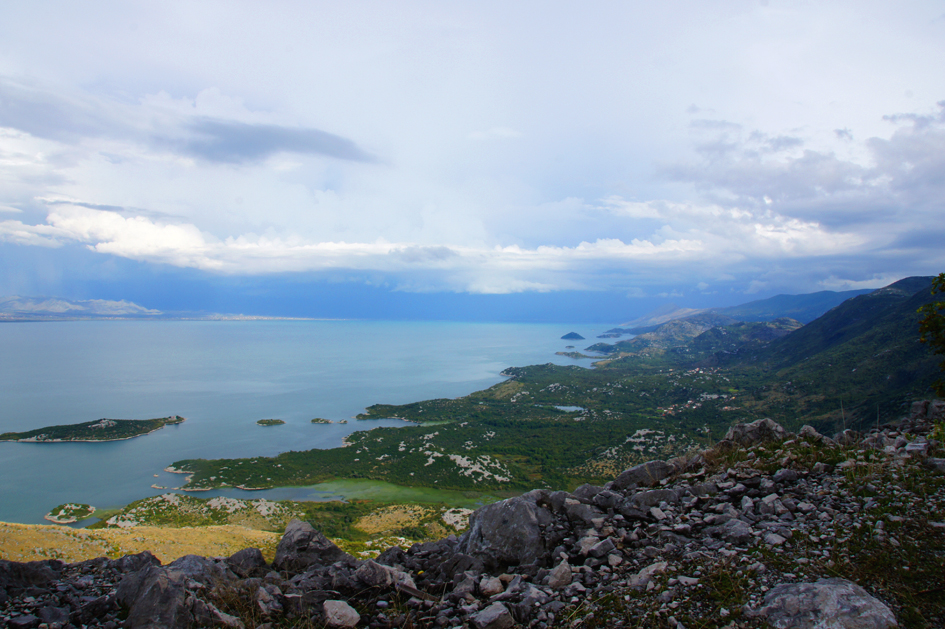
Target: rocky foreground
[(766, 529)]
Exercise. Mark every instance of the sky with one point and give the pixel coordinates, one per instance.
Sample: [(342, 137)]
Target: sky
[(468, 160)]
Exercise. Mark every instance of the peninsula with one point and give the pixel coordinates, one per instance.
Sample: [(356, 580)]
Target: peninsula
[(101, 430)]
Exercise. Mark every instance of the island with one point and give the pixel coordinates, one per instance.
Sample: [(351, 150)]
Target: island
[(572, 336), (69, 513), (101, 430), (270, 422), (319, 420)]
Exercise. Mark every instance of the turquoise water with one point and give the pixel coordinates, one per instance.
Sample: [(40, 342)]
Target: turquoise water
[(223, 376)]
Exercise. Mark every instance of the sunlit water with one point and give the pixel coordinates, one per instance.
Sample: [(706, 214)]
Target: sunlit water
[(223, 377)]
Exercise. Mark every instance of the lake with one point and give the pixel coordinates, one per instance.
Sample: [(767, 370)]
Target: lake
[(223, 376)]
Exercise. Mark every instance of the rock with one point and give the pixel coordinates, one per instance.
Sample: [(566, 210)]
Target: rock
[(340, 614), (200, 569), (653, 497), (847, 437), (735, 532), (133, 563), (16, 576), (644, 475), (302, 546), (640, 579), (585, 493), (833, 603), (490, 586), (560, 576), (785, 476), (757, 432), (28, 621), (936, 464), (378, 575), (506, 533), (248, 562), (809, 432), (156, 598), (495, 616)]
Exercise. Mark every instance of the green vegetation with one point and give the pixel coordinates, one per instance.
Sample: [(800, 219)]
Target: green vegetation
[(70, 512), (101, 430), (270, 422), (932, 328), (319, 420), (679, 387)]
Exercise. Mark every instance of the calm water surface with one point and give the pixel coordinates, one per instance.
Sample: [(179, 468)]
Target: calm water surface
[(223, 376)]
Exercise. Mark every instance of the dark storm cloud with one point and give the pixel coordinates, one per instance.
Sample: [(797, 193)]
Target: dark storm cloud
[(238, 142)]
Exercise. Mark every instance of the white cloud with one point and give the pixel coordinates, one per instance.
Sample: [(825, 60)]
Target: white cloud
[(459, 148)]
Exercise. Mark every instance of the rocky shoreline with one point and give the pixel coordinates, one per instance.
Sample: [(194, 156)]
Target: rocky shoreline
[(765, 529)]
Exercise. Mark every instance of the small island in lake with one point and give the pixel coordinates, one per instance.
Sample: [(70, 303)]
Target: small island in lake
[(270, 422), (101, 430), (69, 513), (319, 420), (572, 336)]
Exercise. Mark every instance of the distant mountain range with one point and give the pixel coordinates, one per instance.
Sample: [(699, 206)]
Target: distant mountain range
[(803, 308), (860, 359), (59, 309)]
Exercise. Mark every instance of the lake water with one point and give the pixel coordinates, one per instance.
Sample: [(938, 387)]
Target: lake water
[(223, 377)]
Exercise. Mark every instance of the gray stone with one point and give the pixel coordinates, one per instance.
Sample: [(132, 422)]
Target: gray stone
[(302, 546), (340, 614), (653, 497), (785, 476), (506, 533), (586, 492), (378, 575), (810, 433), (735, 532), (645, 474), (602, 548), (248, 562), (828, 603), (495, 616), (27, 621), (756, 432), (560, 576), (936, 464), (156, 599)]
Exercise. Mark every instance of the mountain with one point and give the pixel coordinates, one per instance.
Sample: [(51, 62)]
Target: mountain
[(664, 313), (19, 308), (804, 308)]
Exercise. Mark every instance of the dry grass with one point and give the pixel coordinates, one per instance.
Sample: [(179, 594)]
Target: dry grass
[(392, 518), (31, 542)]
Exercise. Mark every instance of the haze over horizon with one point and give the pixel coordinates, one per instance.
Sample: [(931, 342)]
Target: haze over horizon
[(533, 162)]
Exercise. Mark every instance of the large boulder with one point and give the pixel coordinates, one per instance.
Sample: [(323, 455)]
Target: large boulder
[(302, 546), (156, 598), (644, 475), (833, 603), (248, 562), (507, 533), (16, 576), (757, 432)]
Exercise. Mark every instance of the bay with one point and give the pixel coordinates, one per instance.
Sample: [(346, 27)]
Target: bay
[(223, 376)]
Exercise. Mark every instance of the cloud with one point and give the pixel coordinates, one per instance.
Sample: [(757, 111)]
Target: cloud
[(237, 142), (496, 133)]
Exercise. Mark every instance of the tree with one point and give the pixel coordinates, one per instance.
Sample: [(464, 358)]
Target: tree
[(932, 328)]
